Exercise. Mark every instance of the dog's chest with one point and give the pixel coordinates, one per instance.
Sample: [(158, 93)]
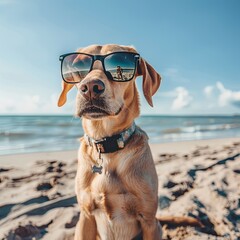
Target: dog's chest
[(106, 193), (114, 208)]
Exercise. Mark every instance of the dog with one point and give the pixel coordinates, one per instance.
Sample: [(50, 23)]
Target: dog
[(116, 181)]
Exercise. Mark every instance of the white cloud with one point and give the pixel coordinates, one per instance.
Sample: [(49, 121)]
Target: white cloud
[(17, 104), (182, 99), (34, 104), (228, 96), (208, 90)]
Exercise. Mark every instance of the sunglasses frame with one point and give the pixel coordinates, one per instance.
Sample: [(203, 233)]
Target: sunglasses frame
[(100, 58)]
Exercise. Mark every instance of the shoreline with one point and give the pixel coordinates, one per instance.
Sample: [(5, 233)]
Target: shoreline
[(66, 155)]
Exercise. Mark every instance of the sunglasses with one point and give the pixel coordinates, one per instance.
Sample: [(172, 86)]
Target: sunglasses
[(118, 66)]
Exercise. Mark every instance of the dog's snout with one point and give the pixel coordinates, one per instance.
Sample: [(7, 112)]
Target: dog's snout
[(92, 89)]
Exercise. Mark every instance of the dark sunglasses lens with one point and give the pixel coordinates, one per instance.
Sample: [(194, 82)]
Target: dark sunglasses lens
[(75, 67), (121, 66)]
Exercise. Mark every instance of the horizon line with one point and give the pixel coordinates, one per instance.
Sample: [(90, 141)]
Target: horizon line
[(141, 115)]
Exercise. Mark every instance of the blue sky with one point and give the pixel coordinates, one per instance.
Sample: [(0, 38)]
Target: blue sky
[(193, 44)]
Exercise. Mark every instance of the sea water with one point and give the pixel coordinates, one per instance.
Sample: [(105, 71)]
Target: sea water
[(25, 134)]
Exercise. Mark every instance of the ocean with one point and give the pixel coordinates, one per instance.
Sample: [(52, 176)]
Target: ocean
[(26, 134)]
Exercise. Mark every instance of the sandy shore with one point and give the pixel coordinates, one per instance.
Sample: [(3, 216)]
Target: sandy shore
[(200, 179)]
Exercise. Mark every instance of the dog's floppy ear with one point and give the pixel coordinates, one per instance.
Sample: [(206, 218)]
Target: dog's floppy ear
[(151, 80), (63, 96)]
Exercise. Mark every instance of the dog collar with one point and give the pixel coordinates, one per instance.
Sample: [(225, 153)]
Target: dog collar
[(113, 143)]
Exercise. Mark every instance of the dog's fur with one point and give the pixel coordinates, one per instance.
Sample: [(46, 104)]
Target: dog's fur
[(120, 203)]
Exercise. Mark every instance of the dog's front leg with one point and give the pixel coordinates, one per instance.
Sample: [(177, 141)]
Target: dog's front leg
[(145, 200), (147, 207), (86, 228)]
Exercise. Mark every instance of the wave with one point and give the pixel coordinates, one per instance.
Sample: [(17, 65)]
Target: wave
[(201, 128), (15, 134), (20, 146), (48, 133), (55, 124)]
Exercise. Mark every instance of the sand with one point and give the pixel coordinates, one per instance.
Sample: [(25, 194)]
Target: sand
[(200, 179)]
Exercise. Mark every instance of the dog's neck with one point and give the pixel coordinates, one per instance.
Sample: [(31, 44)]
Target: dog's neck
[(110, 142), (107, 127)]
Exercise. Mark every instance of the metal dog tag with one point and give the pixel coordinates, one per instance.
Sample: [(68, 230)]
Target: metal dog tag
[(96, 169)]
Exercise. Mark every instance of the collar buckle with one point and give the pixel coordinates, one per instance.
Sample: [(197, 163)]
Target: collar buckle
[(99, 144), (100, 147)]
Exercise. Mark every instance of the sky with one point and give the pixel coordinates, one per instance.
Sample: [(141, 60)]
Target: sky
[(193, 44)]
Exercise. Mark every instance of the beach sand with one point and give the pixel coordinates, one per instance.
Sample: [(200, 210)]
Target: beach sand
[(200, 179)]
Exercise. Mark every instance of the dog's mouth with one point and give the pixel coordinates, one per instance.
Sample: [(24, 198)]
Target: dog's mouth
[(95, 112), (96, 109)]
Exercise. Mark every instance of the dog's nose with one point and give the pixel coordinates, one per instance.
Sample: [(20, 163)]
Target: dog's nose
[(92, 89)]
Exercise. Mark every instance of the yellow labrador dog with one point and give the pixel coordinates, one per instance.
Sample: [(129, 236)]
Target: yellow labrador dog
[(116, 182)]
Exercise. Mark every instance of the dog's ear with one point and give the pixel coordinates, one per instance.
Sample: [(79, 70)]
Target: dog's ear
[(151, 80), (63, 96)]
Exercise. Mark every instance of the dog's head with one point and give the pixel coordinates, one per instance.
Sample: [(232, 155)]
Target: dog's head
[(100, 96)]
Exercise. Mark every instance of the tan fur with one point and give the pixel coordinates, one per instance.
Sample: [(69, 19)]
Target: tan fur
[(121, 202)]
